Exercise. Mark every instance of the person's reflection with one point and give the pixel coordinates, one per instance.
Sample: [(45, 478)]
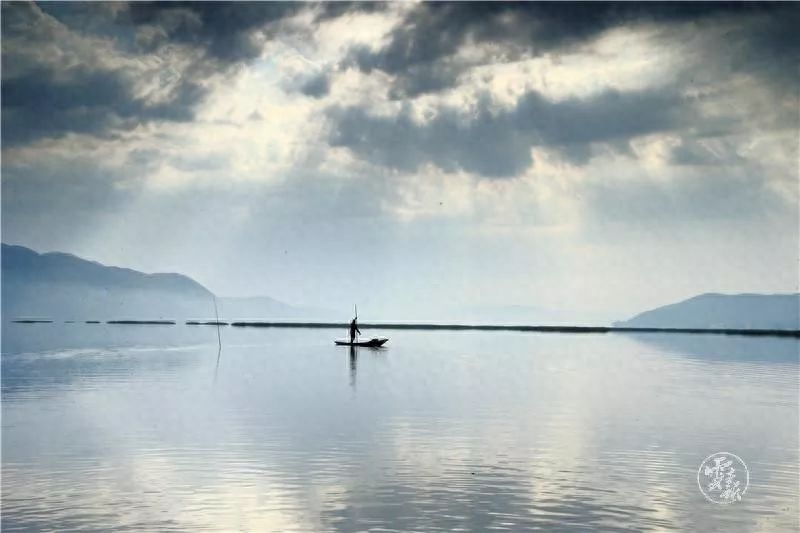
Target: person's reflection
[(353, 366)]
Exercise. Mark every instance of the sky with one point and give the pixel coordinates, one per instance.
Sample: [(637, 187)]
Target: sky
[(590, 159)]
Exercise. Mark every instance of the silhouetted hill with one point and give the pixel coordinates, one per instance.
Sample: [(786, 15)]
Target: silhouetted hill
[(735, 311), (59, 285), (62, 286)]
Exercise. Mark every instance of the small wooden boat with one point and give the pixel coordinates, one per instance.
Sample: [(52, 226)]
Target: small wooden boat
[(374, 342)]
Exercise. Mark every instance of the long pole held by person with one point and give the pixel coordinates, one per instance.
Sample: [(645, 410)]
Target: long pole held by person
[(355, 306)]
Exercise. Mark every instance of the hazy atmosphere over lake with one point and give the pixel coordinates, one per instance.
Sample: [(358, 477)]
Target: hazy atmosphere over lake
[(594, 160), (400, 266)]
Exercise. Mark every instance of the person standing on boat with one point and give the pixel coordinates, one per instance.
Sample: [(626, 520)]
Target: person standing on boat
[(353, 330)]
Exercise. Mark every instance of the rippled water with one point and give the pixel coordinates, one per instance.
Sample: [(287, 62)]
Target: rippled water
[(146, 428)]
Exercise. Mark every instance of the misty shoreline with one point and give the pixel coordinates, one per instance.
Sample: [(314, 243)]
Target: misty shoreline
[(447, 327)]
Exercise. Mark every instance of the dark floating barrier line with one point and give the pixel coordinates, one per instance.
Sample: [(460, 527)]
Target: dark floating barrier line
[(148, 322), (454, 327), (543, 329), (716, 331)]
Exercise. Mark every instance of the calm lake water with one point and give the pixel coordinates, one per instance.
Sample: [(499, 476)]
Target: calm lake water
[(111, 428)]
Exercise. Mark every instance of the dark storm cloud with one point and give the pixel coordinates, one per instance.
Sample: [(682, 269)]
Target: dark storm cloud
[(42, 98), (421, 55), (317, 86), (225, 29), (222, 29), (432, 33), (498, 143), (37, 104), (767, 47), (413, 77)]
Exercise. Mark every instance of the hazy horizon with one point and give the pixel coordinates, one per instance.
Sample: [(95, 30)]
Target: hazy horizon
[(597, 160)]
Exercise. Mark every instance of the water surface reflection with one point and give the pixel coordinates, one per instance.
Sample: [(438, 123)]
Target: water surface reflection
[(440, 431)]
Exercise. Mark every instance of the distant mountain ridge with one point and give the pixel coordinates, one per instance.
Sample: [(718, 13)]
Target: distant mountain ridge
[(24, 264), (729, 311), (59, 285), (63, 286)]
